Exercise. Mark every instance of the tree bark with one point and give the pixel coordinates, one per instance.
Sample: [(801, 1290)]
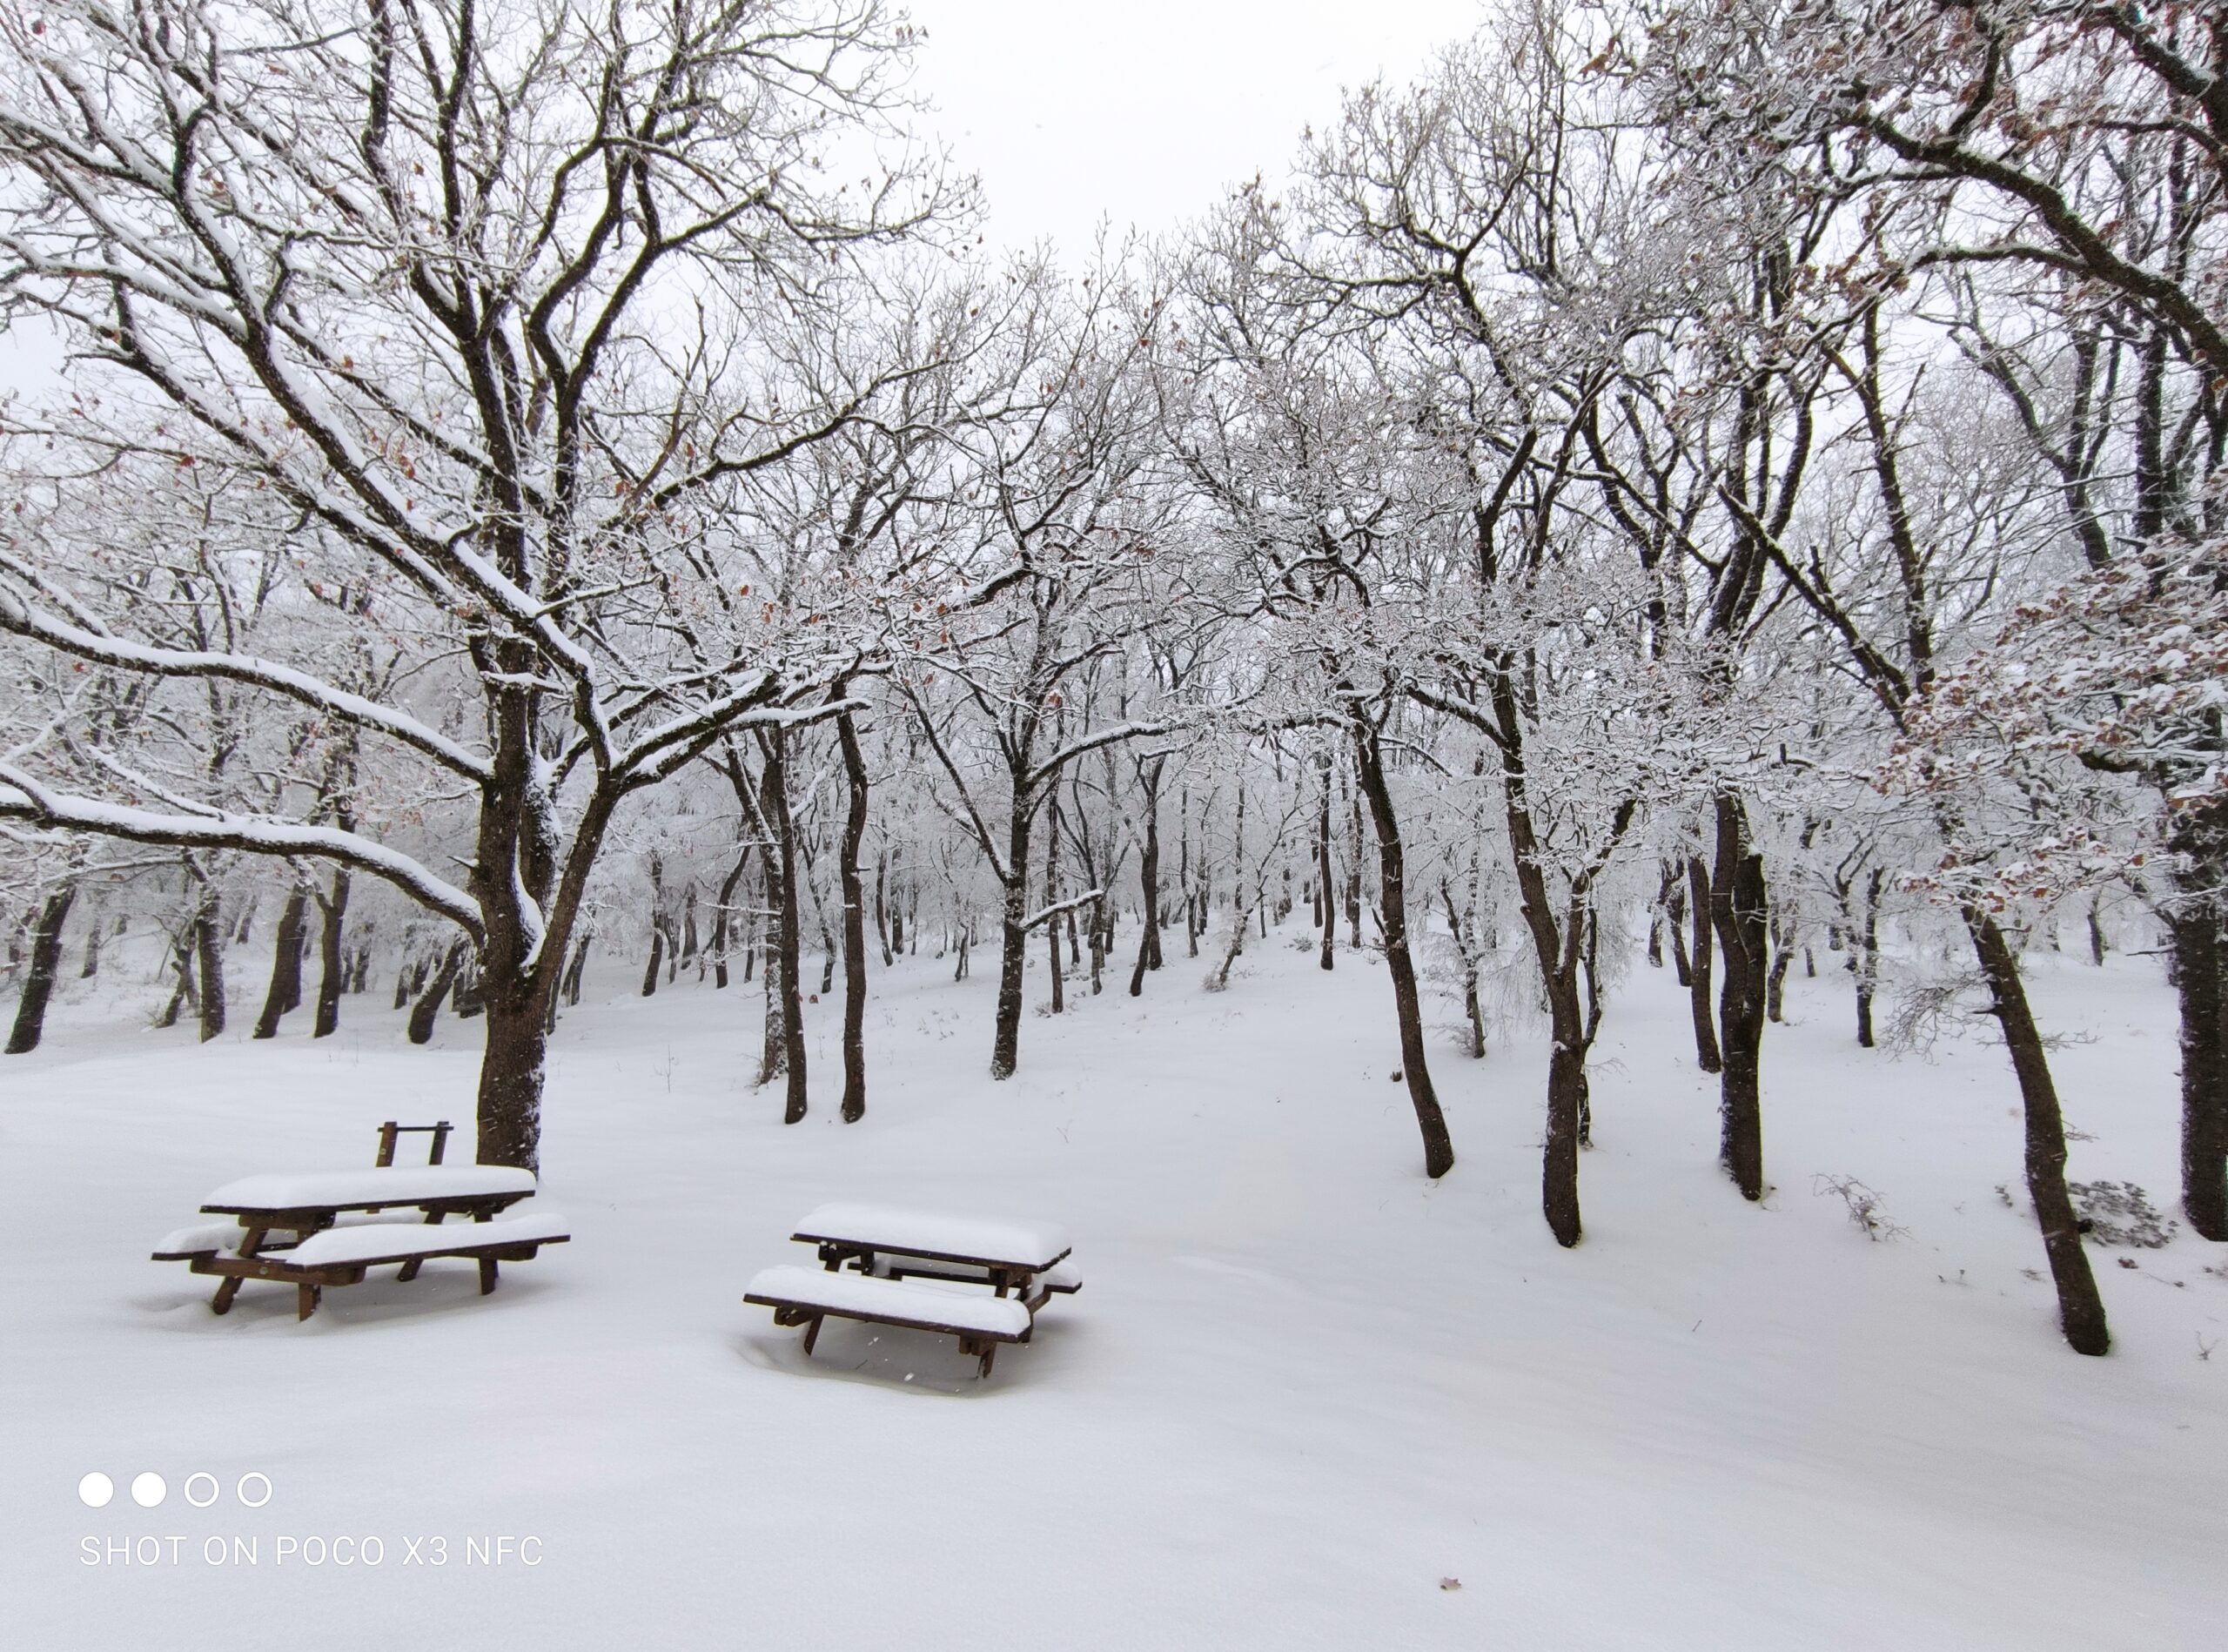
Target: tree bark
[(1013, 944), (1742, 923), (2194, 933), (1707, 1055), (182, 967), (333, 970), (1051, 895), (428, 1010), (511, 1071), (1864, 957), (774, 792), (46, 963), (1438, 1148), (209, 952), (2081, 1308), (1324, 956), (1353, 879), (91, 966), (723, 925), (1566, 1108), (285, 989), (1149, 886), (855, 930)]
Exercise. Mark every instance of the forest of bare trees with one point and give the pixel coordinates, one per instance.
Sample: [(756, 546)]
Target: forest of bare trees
[(1712, 486)]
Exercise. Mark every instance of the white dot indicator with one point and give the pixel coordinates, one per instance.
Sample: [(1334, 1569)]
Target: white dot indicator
[(148, 1489), (262, 1483), (210, 1480), (95, 1489)]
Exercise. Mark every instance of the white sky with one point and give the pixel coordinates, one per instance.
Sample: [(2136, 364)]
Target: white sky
[(1145, 112), (1142, 113)]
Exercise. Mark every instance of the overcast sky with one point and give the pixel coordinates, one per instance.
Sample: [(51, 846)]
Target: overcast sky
[(1145, 112), (1142, 113)]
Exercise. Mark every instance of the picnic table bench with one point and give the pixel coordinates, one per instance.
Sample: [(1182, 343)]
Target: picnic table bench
[(338, 1223), (919, 1270)]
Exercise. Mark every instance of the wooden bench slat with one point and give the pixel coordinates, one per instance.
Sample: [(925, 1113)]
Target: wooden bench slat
[(916, 1306), (370, 1246)]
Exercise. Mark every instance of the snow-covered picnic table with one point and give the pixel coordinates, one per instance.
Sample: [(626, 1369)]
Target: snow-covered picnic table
[(339, 1222), (890, 1249), (447, 1190), (1002, 1252)]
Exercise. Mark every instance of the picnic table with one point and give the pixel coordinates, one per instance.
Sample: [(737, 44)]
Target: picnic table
[(922, 1270), (331, 1225)]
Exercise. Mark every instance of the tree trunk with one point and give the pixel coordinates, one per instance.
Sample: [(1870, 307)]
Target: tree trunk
[(1864, 957), (333, 968), (1013, 944), (882, 905), (572, 983), (1329, 914), (2081, 1309), (855, 930), (1742, 923), (724, 924), (428, 1010), (773, 1048), (2194, 933), (1707, 1055), (45, 962), (1466, 950), (1675, 922), (1657, 915), (286, 991), (1149, 892), (1783, 935), (1051, 895), (774, 793), (182, 967), (209, 950), (1566, 1109), (91, 966), (899, 916), (1353, 879), (1438, 1148), (511, 1075)]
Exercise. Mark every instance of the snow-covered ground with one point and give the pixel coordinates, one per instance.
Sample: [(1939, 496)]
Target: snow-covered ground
[(1301, 1387)]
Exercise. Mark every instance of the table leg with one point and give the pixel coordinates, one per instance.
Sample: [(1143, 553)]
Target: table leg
[(222, 1302), (306, 1296), (409, 1270), (487, 1274), (811, 1335)]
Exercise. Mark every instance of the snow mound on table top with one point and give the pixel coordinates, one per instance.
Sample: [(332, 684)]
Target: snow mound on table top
[(916, 1232), (381, 1242), (393, 1184), (923, 1301)]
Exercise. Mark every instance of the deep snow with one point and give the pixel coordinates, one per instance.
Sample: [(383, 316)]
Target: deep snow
[(1302, 1387)]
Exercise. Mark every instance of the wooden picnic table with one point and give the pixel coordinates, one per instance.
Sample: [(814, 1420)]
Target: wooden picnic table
[(886, 1245), (1004, 1254), (311, 1203)]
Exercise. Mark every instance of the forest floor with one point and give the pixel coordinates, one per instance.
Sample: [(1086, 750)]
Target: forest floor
[(1302, 1388)]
